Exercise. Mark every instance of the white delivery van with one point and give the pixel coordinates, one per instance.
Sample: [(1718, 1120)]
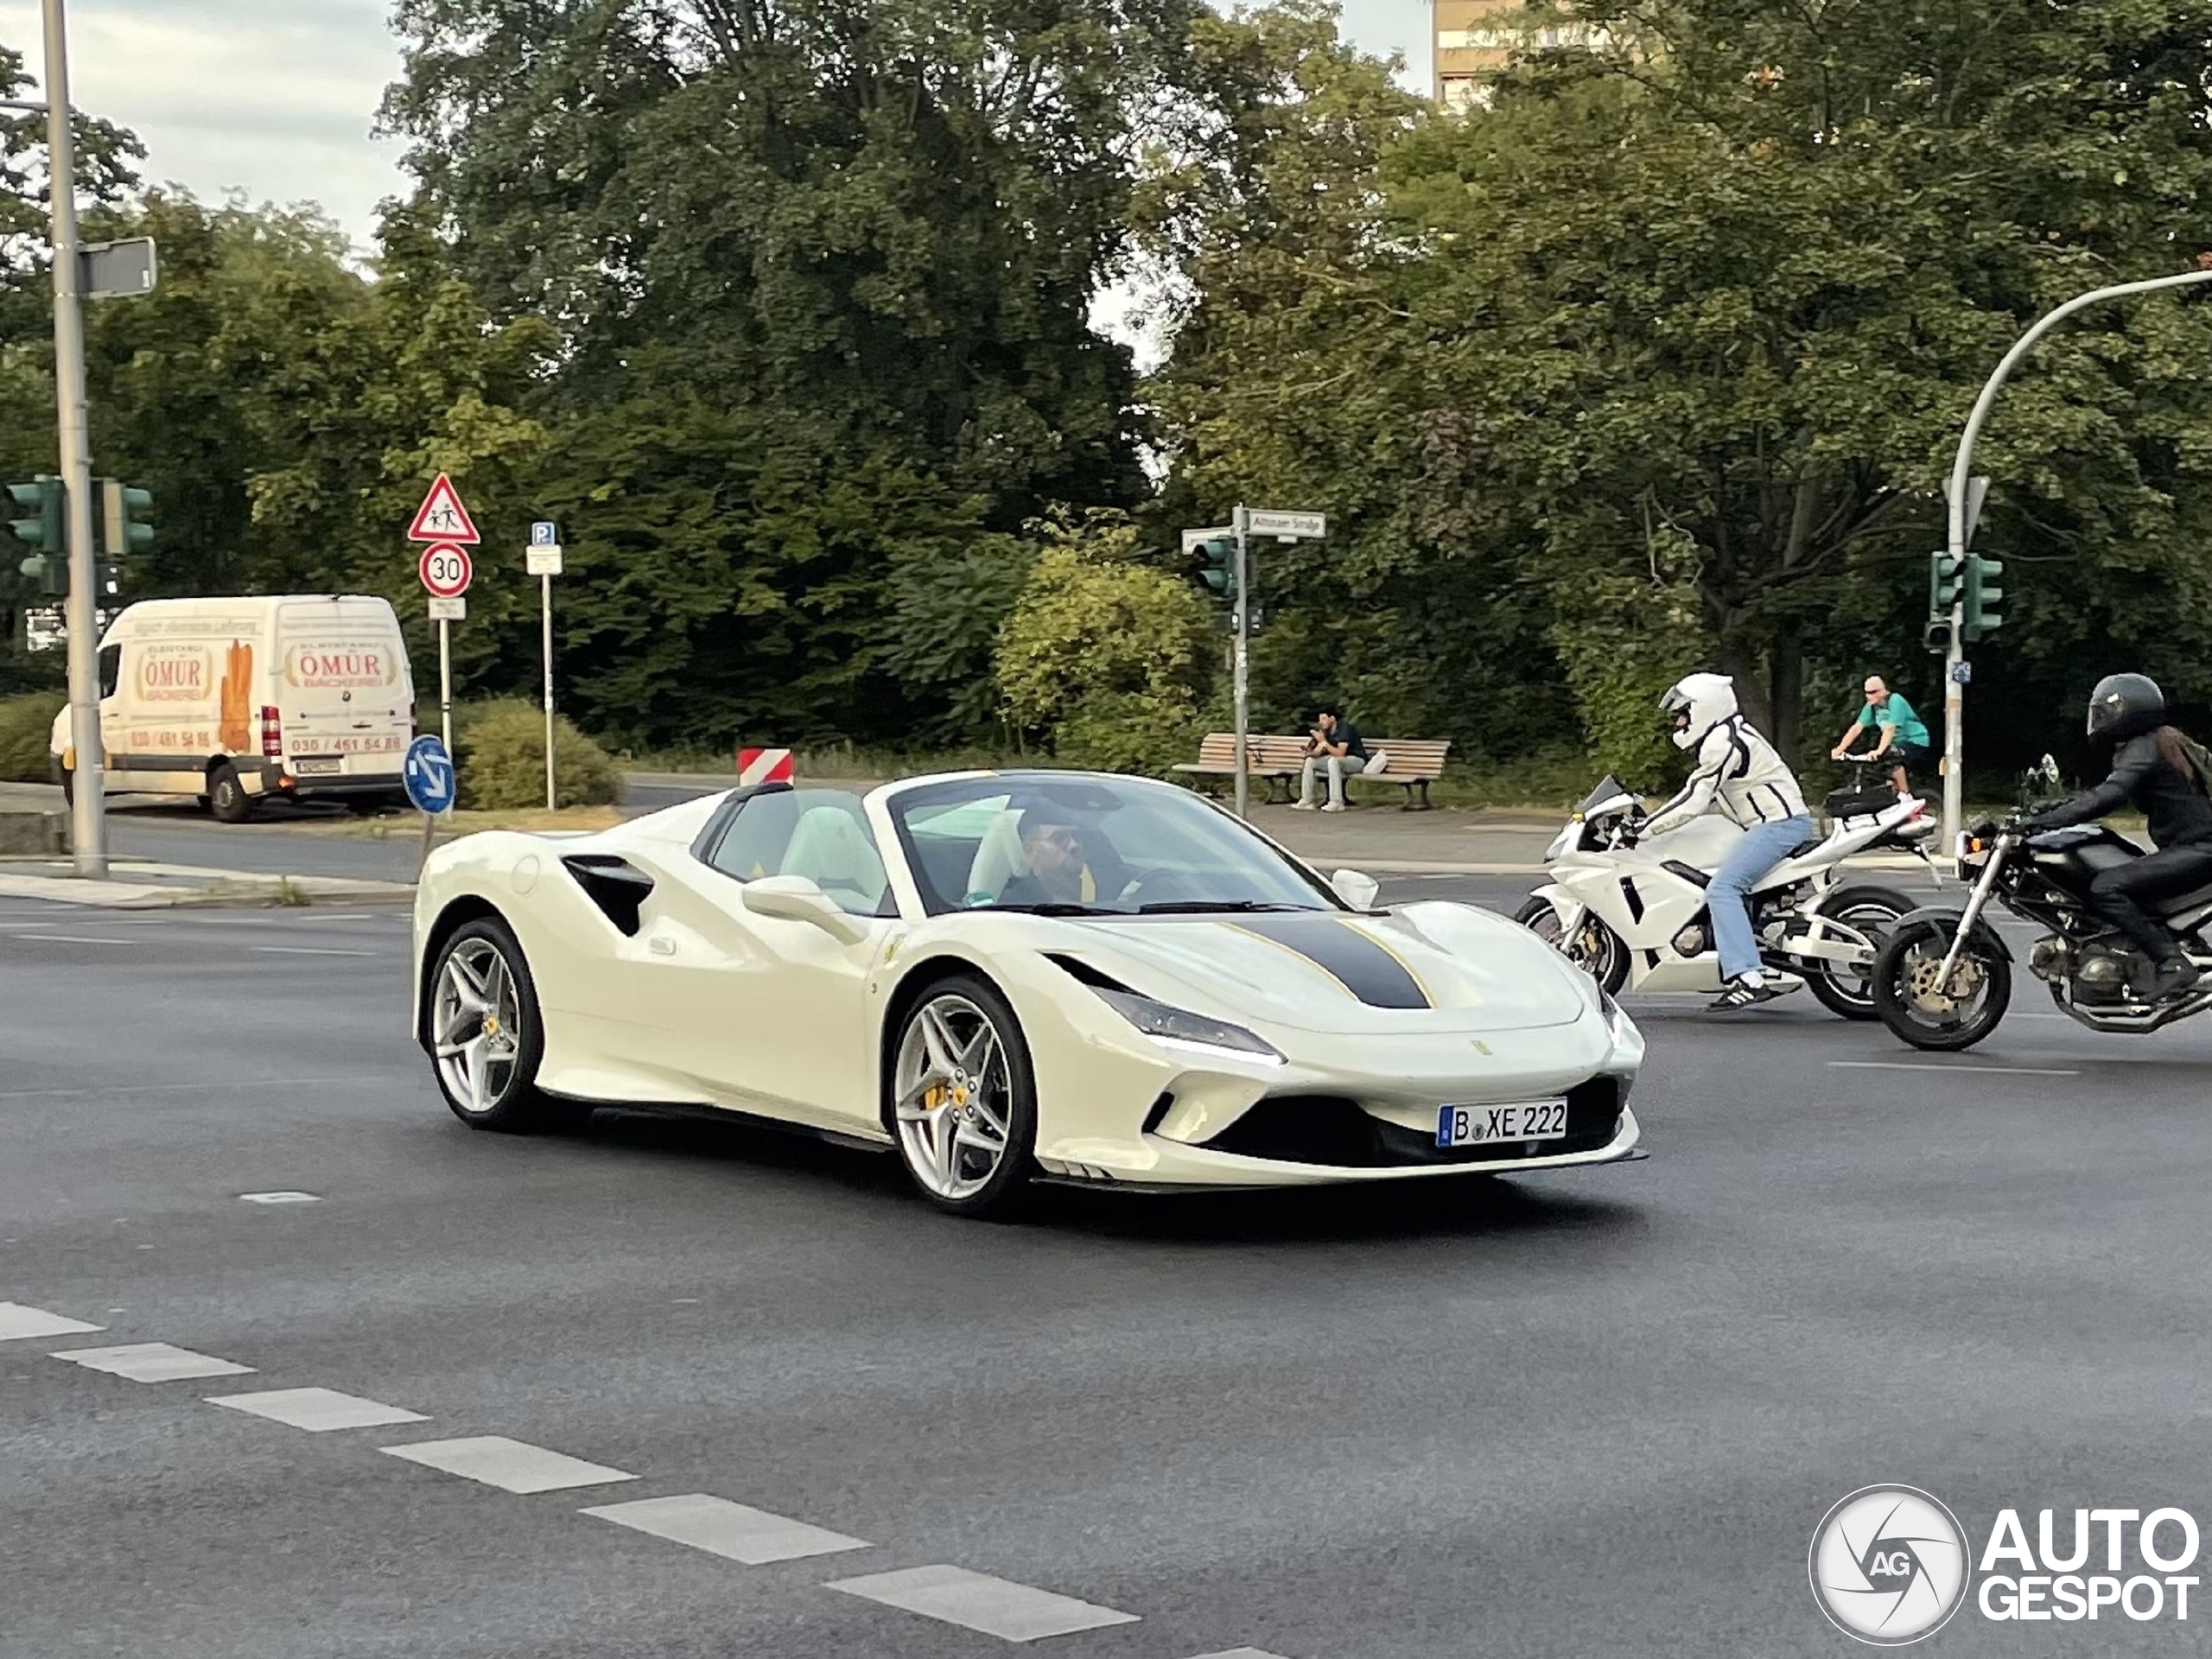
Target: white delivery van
[(239, 701)]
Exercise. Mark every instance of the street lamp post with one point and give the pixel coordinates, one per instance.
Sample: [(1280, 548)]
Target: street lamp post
[(1962, 484), (88, 827)]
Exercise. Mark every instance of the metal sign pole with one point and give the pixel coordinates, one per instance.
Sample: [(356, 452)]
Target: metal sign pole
[(88, 823), (1239, 676), (546, 582), (445, 681)]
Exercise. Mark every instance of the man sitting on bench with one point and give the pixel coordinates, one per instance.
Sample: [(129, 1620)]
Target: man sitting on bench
[(1335, 743)]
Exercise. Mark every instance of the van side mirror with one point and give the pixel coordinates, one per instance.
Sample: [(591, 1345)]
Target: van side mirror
[(2049, 771)]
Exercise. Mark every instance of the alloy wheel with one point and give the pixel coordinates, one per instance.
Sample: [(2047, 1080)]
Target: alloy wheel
[(953, 1099), (476, 1023)]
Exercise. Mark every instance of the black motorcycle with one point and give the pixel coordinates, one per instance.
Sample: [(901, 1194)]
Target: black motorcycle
[(1943, 978)]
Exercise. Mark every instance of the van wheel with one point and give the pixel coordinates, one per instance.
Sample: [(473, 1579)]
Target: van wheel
[(226, 797)]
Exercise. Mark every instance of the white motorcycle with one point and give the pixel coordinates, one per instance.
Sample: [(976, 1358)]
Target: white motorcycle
[(1632, 912)]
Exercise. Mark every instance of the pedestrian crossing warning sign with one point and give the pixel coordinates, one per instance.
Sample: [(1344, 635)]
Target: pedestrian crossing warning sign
[(442, 519)]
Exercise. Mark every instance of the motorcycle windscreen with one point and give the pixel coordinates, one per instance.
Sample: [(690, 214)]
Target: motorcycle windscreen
[(1611, 795)]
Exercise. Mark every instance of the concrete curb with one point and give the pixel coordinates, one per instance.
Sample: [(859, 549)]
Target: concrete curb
[(192, 887)]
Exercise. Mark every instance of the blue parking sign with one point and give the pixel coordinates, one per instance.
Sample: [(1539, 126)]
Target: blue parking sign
[(428, 774), (545, 533)]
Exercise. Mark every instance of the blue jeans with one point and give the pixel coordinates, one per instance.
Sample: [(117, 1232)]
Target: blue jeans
[(1763, 846)]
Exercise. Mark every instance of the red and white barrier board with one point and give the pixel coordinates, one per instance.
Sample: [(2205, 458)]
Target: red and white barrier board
[(763, 767)]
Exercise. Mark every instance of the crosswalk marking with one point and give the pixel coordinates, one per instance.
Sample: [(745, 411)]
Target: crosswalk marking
[(512, 1465), (18, 1322), (152, 1362), (978, 1602), (721, 1528), (316, 1410)]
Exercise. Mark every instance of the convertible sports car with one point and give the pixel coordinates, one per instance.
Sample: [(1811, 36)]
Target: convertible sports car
[(1008, 977)]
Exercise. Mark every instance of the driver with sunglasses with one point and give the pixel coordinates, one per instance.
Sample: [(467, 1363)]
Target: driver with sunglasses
[(1064, 868)]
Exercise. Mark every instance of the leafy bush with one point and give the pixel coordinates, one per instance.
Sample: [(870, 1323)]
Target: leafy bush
[(1102, 653), (26, 723), (501, 759)]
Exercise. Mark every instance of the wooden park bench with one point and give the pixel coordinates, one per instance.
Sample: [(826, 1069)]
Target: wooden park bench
[(1415, 763)]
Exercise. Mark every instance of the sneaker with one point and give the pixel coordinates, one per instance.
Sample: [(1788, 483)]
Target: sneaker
[(1302, 806), (1742, 994), (1334, 806)]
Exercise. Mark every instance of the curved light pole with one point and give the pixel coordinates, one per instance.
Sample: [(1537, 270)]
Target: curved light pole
[(1962, 475)]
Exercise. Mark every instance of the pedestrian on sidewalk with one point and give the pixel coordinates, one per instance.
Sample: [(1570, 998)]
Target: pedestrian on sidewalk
[(1900, 733), (1334, 743)]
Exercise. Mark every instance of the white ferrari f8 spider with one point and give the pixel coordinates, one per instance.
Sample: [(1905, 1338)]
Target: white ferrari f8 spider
[(1010, 977)]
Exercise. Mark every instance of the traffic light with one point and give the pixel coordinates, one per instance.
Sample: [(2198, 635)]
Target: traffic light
[(1217, 566), (122, 523), (42, 528), (1982, 595), (1944, 580), (1937, 636)]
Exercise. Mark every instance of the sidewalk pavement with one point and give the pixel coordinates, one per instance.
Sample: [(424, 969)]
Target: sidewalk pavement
[(135, 885)]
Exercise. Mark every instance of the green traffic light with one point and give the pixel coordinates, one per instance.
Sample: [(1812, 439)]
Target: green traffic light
[(1982, 595), (1219, 571), (41, 527), (1943, 583)]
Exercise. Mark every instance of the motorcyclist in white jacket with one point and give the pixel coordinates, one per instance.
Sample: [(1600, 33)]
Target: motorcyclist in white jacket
[(1739, 775)]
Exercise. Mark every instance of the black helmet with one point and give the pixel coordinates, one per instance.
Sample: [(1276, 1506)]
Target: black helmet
[(2131, 698)]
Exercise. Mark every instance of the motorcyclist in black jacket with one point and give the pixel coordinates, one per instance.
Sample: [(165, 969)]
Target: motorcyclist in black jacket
[(2154, 769)]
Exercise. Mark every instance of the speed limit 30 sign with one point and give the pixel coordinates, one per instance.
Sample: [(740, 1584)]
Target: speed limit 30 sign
[(445, 569)]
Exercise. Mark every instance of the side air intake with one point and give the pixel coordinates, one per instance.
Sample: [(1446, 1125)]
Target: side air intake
[(615, 886)]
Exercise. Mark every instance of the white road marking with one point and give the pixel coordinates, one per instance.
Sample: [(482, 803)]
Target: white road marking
[(278, 1197), (18, 1322), (316, 1410), (306, 950), (73, 939), (976, 1602), (153, 1362), (1940, 1065), (1241, 1653), (728, 1529), (510, 1465)]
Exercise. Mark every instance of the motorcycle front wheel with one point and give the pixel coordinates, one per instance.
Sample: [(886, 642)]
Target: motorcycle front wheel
[(1850, 991), (1964, 1012), (1595, 948)]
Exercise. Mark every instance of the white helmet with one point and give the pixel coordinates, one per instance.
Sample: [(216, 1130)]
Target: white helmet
[(1707, 699)]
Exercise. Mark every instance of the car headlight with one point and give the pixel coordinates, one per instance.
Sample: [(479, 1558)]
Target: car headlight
[(1171, 1024), (1618, 1026)]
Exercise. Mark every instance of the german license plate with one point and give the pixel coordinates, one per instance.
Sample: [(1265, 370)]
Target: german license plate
[(1476, 1126), (317, 766)]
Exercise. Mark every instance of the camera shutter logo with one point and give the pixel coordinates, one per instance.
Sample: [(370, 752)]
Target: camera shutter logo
[(1889, 1565)]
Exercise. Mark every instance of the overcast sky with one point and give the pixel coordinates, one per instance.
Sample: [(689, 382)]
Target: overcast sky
[(277, 98)]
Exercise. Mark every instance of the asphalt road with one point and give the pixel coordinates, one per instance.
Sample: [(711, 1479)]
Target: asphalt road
[(1586, 1414)]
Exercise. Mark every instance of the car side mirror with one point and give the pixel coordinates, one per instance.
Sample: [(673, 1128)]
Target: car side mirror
[(1355, 889), (794, 899), (2049, 771)]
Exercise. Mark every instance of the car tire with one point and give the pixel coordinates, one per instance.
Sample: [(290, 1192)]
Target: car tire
[(486, 1036), (960, 1052), (226, 797)]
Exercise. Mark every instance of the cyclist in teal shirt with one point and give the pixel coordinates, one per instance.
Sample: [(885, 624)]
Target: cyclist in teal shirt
[(1903, 735)]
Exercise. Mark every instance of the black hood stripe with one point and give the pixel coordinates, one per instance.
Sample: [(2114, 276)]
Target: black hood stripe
[(1367, 970)]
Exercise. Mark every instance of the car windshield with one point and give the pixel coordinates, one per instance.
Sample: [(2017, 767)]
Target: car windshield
[(1063, 843)]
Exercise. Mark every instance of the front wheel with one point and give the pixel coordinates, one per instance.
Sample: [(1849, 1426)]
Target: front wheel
[(1840, 988), (964, 1100), (487, 1036), (1967, 1007), (1594, 948)]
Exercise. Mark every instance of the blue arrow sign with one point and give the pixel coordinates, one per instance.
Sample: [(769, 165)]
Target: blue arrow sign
[(428, 774)]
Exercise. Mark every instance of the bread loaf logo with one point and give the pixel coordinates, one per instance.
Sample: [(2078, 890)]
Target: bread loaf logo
[(173, 673), (340, 667), (235, 733)]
